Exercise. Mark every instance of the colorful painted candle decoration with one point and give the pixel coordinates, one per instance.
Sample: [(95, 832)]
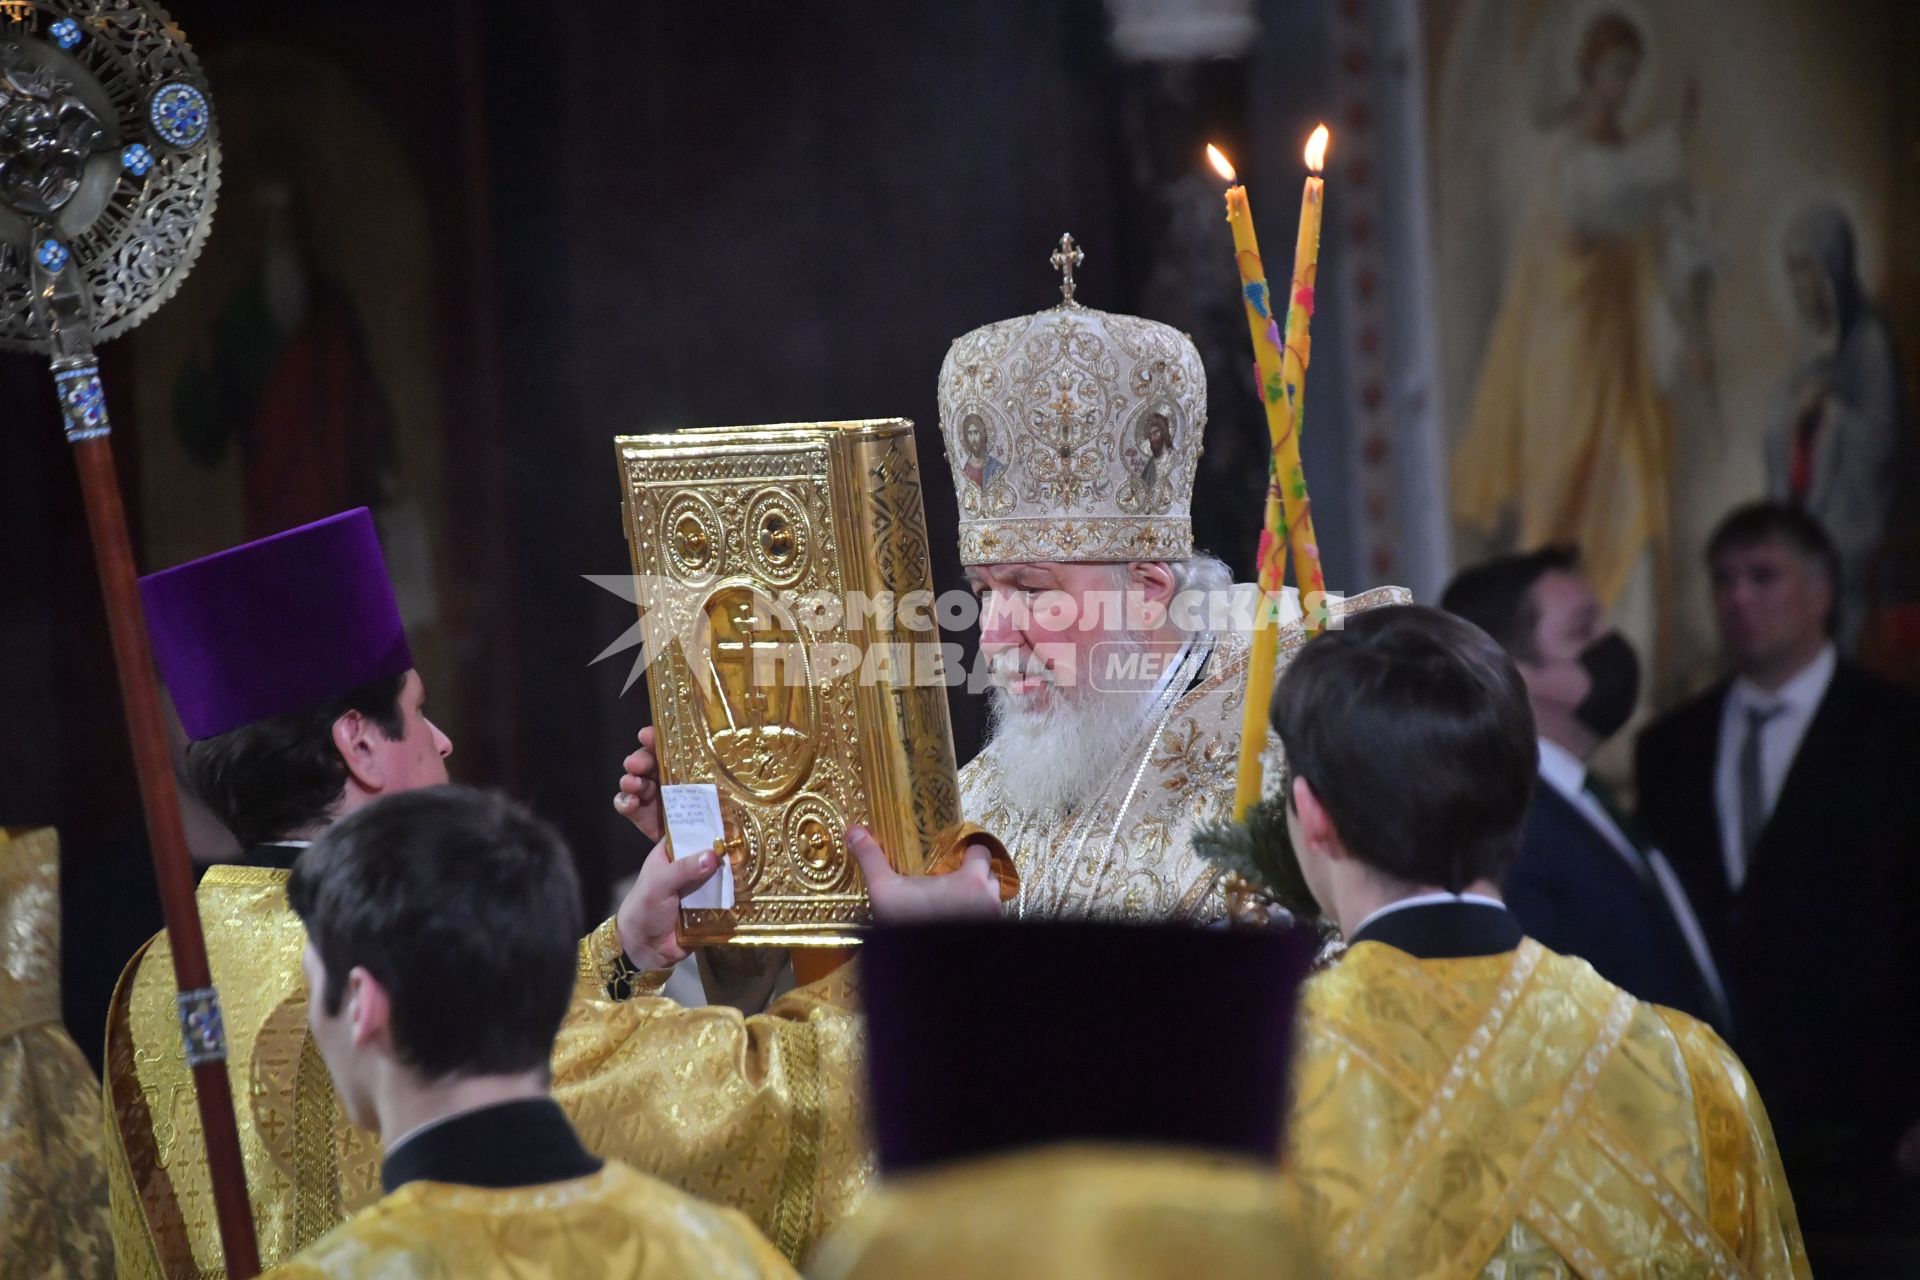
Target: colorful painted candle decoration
[(1280, 359)]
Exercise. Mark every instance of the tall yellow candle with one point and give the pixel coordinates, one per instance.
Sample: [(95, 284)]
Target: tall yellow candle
[(1281, 361)]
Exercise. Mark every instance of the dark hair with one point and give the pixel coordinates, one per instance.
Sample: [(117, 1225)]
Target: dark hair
[(1607, 32), (1793, 525), (283, 774), (1415, 731), (465, 907), (1497, 596), (1758, 522)]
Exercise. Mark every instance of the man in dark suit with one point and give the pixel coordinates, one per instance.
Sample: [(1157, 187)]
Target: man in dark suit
[(1586, 882), (1789, 797)]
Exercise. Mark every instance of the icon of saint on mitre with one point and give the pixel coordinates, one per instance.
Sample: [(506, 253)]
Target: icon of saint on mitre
[(1150, 457)]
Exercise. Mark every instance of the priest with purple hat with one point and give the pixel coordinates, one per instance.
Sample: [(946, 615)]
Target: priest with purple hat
[(289, 666), (291, 674)]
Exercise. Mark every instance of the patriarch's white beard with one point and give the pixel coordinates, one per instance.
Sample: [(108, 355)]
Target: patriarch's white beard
[(1055, 758)]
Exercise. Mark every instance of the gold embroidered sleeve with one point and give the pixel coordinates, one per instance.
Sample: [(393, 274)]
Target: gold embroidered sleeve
[(606, 973), (950, 851), (1747, 1195), (761, 1114)]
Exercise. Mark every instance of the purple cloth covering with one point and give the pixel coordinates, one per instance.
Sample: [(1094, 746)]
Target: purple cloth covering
[(276, 625), (988, 1038)]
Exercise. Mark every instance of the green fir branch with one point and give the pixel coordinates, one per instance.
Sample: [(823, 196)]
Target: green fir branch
[(1260, 851)]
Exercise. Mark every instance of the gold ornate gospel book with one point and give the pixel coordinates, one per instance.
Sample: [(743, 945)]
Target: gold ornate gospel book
[(786, 602)]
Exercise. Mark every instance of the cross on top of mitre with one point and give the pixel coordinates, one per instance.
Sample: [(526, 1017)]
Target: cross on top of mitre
[(1064, 260)]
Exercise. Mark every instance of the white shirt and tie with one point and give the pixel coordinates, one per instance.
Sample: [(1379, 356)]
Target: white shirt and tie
[(1567, 774), (1779, 721)]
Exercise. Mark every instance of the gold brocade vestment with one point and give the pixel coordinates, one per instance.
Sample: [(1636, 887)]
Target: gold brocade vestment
[(616, 1223), (1517, 1115), (1121, 1213), (1126, 852), (53, 1182), (758, 1114)]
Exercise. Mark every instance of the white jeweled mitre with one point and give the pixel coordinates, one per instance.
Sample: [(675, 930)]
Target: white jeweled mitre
[(1073, 434)]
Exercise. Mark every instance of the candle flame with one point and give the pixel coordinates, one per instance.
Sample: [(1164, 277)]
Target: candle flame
[(1221, 165), (1317, 149)]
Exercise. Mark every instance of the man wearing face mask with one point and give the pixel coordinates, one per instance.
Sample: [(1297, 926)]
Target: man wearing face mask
[(1587, 882)]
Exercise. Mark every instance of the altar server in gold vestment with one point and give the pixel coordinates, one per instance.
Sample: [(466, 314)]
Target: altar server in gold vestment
[(53, 1179), (290, 670), (439, 962), (1057, 1129), (1466, 1102)]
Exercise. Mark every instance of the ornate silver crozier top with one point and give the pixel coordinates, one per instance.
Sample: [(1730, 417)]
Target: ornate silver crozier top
[(109, 166)]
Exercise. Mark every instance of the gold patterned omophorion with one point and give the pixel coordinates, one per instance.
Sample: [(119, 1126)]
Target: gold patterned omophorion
[(786, 603)]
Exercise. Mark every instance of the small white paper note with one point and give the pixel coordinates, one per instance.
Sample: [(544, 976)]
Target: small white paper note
[(693, 824)]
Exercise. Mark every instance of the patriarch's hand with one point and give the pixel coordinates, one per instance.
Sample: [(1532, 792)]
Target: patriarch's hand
[(969, 893)]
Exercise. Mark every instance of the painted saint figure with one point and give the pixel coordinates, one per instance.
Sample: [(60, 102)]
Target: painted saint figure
[(1569, 434), (1158, 435), (1839, 438)]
